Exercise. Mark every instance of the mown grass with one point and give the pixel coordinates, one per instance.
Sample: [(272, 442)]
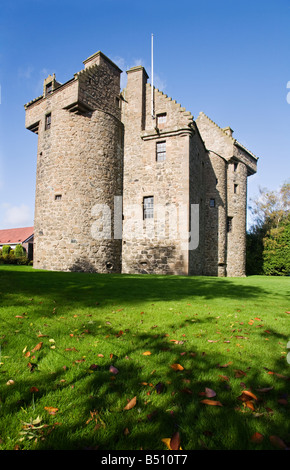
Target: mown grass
[(88, 322)]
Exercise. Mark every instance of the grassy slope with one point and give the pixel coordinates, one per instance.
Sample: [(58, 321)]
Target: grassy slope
[(241, 323)]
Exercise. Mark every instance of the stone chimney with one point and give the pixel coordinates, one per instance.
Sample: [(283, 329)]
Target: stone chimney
[(228, 131), (135, 94)]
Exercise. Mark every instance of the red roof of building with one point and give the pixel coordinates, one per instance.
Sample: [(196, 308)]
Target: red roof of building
[(15, 235)]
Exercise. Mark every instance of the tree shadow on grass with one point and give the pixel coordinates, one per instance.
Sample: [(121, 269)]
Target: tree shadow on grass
[(168, 400), (156, 415), (87, 289)]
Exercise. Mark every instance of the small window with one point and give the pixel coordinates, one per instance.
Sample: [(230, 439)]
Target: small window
[(148, 207), (47, 121), (57, 197), (229, 224), (235, 166), (161, 120), (160, 151), (48, 88), (212, 203), (236, 188)]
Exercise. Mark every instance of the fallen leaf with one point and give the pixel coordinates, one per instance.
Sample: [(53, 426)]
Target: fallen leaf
[(283, 401), (224, 377), (264, 390), (247, 396), (113, 370), (10, 382), (172, 441), (166, 441), (177, 367), (37, 347), (175, 441), (211, 402), (209, 393), (239, 373), (250, 404), (186, 390), (51, 410), (277, 442), (225, 365), (257, 437), (131, 404), (147, 353)]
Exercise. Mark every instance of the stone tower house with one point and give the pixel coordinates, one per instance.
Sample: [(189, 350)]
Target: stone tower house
[(131, 183)]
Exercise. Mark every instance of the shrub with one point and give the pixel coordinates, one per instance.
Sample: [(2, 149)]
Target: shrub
[(6, 250), (19, 252)]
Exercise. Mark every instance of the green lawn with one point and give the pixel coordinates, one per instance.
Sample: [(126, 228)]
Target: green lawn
[(61, 333)]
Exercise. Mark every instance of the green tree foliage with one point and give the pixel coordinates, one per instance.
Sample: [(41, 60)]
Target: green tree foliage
[(19, 252), (6, 249), (268, 241)]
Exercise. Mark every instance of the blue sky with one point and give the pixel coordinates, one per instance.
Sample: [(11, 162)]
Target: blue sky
[(227, 58)]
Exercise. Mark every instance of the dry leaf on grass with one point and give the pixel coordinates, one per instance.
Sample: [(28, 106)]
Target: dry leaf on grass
[(51, 410), (37, 347), (176, 367), (131, 404), (277, 442), (173, 443), (211, 402), (257, 437), (247, 396)]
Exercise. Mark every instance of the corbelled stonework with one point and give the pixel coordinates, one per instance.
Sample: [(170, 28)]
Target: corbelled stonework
[(121, 190)]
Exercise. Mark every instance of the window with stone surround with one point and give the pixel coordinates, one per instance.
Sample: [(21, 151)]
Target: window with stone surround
[(236, 188), (148, 207), (161, 120), (161, 151), (57, 197), (47, 121)]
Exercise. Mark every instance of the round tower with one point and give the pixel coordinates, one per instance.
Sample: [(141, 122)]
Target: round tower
[(79, 170)]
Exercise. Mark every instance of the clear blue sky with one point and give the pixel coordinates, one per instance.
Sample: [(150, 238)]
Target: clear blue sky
[(227, 58)]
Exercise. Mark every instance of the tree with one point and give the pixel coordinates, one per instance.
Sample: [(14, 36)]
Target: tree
[(271, 207), (19, 252), (268, 241)]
